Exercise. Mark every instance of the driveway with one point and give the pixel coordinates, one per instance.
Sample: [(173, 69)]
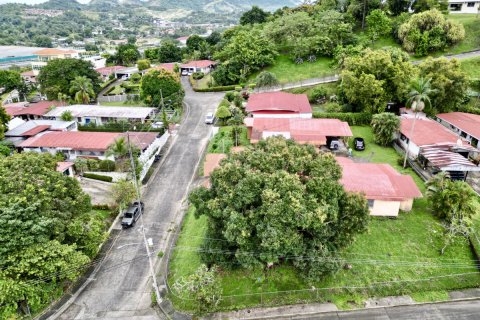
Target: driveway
[(121, 288)]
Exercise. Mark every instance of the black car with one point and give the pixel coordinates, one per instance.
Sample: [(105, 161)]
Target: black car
[(131, 215), (359, 144)]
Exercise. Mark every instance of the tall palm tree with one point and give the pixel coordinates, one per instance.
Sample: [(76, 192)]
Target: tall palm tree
[(82, 87), (119, 149), (419, 95)]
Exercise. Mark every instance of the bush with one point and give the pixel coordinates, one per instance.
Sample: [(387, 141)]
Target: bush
[(98, 177), (230, 96), (317, 94), (333, 107), (198, 75), (93, 165), (352, 118), (215, 89), (107, 165), (225, 103), (238, 88)]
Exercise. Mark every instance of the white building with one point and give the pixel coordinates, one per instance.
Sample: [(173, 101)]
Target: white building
[(45, 55), (464, 6), (99, 115)]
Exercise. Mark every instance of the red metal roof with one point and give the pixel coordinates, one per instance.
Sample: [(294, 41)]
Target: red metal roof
[(62, 166), (278, 102), (377, 181), (106, 71), (13, 108), (198, 64), (467, 122), (142, 139), (426, 132), (39, 108), (75, 140), (36, 130), (314, 131)]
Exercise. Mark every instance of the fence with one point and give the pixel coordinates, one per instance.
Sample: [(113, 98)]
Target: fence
[(118, 98), (299, 84), (147, 158)]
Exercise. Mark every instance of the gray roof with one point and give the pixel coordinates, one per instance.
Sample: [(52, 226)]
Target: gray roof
[(29, 125), (102, 111)]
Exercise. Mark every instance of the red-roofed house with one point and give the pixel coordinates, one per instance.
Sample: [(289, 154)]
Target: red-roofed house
[(426, 132), (386, 190), (311, 131), (466, 125), (29, 76), (13, 108), (33, 111), (105, 72), (204, 66), (166, 66), (66, 168), (279, 105), (75, 144)]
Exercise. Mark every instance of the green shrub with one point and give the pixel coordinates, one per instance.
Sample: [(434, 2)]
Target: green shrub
[(93, 165), (98, 177), (238, 88), (230, 96), (107, 165), (333, 107), (216, 89), (252, 85), (225, 103), (352, 118), (198, 75), (317, 94)]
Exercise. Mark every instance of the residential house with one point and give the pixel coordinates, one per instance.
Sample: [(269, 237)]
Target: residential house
[(387, 191), (84, 144), (106, 72), (99, 115), (29, 76), (464, 6), (166, 66), (183, 41), (31, 111), (204, 66), (66, 168), (304, 131), (466, 125), (32, 128), (279, 105), (126, 73), (49, 54)]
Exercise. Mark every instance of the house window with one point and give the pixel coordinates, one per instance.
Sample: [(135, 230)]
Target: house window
[(370, 203), (463, 134), (470, 4), (403, 137)]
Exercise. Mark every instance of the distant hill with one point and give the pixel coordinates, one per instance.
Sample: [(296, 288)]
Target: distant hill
[(210, 6)]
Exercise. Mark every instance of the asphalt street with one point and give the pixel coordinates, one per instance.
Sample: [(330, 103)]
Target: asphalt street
[(121, 288)]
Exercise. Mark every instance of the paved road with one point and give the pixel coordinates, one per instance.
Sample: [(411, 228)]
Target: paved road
[(120, 289), (465, 310)]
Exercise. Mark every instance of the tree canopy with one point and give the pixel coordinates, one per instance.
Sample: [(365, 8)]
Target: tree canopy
[(158, 83), (384, 126), (279, 201), (4, 119), (10, 79), (127, 54), (57, 75), (169, 52), (254, 15)]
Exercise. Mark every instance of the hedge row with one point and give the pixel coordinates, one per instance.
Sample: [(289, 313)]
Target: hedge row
[(215, 89), (353, 118), (98, 177)]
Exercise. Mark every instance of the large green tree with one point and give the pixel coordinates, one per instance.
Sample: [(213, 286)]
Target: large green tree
[(127, 54), (279, 201), (448, 82), (379, 24), (254, 15), (10, 79), (169, 51), (384, 126), (158, 84), (4, 119), (57, 75), (388, 72), (429, 31)]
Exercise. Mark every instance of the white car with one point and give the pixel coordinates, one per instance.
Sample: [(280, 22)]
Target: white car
[(184, 73), (210, 118), (157, 125)]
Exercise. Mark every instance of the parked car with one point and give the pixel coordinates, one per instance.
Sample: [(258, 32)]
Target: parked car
[(359, 144), (184, 73), (333, 143), (210, 118), (157, 158), (131, 215), (157, 125)]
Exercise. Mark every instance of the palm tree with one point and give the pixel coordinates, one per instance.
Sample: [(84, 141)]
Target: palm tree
[(119, 149), (420, 92), (82, 87)]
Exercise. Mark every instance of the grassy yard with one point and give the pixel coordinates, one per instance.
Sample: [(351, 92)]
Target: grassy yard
[(471, 23), (471, 67), (223, 141), (287, 70), (203, 83), (394, 257)]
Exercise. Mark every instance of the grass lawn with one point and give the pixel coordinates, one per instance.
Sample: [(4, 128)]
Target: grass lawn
[(471, 67), (223, 141), (394, 257), (203, 83), (287, 70)]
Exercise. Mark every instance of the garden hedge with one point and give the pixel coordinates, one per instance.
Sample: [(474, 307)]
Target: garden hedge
[(215, 89), (98, 177), (353, 118)]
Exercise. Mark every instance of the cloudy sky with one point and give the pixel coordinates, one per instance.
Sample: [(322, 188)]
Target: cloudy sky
[(32, 1)]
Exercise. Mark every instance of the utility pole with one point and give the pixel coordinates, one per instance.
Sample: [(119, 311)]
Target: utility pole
[(152, 272)]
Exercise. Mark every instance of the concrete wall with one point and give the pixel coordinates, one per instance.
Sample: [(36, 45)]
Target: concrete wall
[(406, 205), (148, 156), (385, 208), (414, 150)]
